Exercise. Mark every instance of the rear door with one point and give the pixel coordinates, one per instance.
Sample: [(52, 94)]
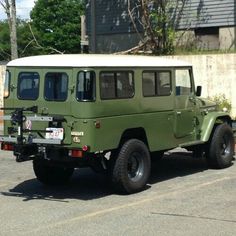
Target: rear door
[(49, 90)]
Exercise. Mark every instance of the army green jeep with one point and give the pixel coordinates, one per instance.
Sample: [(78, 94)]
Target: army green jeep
[(109, 112)]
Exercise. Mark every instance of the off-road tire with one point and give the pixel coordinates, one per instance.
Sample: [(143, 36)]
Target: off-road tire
[(49, 174), (220, 150), (131, 168)]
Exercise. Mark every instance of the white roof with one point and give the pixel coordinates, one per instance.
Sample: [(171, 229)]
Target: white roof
[(96, 60)]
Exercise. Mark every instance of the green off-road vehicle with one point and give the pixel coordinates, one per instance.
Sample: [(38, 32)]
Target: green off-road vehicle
[(109, 112)]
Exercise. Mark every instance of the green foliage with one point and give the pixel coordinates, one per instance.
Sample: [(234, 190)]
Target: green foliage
[(222, 102), (163, 31), (159, 22), (5, 50), (56, 25), (25, 44)]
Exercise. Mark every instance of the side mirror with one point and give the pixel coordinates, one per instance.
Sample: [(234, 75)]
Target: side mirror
[(199, 91)]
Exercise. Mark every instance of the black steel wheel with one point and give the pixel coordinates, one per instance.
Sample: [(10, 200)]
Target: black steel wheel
[(50, 174), (220, 149), (131, 168)]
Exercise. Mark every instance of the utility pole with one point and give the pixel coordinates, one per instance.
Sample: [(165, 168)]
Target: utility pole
[(84, 38), (92, 41)]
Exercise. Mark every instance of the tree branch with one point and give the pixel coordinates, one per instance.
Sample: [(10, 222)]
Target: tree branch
[(133, 22), (39, 45)]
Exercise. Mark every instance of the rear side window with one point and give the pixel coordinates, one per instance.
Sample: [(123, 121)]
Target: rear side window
[(56, 86), (156, 83), (115, 85), (28, 86), (85, 86)]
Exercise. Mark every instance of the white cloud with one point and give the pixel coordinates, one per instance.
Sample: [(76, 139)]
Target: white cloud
[(23, 8)]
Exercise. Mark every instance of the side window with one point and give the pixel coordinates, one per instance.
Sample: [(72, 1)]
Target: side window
[(164, 84), (7, 84), (125, 85), (107, 85), (28, 86), (183, 82), (56, 86), (115, 85), (85, 86), (149, 82), (156, 83)]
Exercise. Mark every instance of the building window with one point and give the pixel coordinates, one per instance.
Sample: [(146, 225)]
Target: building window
[(207, 38)]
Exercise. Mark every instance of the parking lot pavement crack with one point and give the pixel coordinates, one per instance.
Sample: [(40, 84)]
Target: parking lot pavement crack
[(192, 216)]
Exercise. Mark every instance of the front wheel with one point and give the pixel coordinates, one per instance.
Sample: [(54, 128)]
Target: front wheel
[(220, 149), (49, 174), (131, 168)]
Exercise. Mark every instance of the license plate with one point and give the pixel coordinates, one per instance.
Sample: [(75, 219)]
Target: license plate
[(57, 133)]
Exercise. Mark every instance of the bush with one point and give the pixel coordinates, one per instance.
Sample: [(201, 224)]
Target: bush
[(222, 102)]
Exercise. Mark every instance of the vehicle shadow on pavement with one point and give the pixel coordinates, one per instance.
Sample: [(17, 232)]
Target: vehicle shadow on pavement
[(176, 165), (87, 185), (84, 185)]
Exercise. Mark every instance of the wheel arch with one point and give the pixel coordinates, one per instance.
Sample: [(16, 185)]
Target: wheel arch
[(134, 133), (211, 121)]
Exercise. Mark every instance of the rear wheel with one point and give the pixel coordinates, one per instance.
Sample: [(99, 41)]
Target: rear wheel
[(131, 169), (51, 174), (220, 149)]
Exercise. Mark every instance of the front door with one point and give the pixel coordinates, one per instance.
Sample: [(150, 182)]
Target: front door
[(184, 103)]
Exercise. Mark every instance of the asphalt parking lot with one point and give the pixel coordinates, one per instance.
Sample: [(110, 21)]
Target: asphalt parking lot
[(183, 197)]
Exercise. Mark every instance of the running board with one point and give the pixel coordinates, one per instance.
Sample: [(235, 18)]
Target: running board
[(193, 143)]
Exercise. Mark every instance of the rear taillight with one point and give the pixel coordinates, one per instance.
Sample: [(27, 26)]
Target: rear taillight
[(76, 153), (7, 146)]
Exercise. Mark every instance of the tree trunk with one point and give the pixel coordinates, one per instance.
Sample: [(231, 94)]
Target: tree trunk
[(14, 51), (10, 9)]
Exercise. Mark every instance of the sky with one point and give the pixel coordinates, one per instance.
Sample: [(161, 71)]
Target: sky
[(23, 8)]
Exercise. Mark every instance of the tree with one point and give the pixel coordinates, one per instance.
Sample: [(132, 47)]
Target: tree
[(5, 47), (55, 25), (158, 22), (10, 9), (25, 42)]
